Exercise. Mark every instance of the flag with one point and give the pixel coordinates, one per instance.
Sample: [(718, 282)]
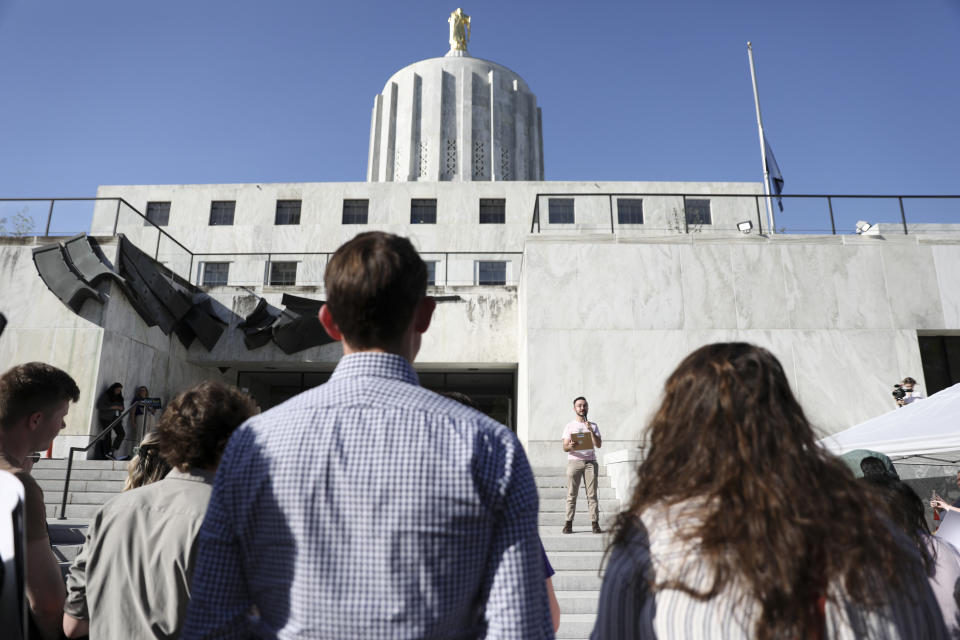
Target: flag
[(776, 180)]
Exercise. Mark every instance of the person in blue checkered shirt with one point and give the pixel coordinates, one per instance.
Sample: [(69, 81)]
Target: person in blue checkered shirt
[(370, 507)]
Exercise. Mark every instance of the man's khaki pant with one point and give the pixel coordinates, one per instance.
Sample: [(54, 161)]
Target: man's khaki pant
[(586, 469)]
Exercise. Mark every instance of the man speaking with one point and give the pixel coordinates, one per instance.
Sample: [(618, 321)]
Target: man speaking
[(581, 439)]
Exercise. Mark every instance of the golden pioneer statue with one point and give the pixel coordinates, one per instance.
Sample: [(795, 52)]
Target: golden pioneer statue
[(459, 30)]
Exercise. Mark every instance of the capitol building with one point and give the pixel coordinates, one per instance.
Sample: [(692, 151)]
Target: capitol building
[(546, 290)]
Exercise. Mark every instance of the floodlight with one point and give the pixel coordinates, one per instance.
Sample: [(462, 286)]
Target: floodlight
[(863, 226), (745, 226)]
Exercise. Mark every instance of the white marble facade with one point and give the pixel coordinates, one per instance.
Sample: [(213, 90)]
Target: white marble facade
[(585, 311), (610, 320)]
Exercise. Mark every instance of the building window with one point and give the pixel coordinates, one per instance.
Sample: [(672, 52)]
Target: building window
[(698, 212), (221, 212), (431, 273), (214, 274), (283, 274), (491, 272), (560, 210), (940, 359), (423, 211), (355, 211), (158, 213), (288, 212), (493, 211), (629, 211)]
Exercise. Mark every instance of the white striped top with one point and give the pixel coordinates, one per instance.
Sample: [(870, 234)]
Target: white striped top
[(629, 609)]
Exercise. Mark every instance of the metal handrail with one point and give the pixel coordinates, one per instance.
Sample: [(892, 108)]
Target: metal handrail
[(106, 430), (535, 217)]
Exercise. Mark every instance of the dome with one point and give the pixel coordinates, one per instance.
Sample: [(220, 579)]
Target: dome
[(455, 118)]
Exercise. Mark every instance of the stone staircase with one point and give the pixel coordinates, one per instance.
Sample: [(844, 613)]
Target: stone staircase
[(92, 482), (575, 557)]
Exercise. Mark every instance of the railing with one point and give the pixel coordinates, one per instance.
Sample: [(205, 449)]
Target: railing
[(106, 432), (449, 268), (802, 214)]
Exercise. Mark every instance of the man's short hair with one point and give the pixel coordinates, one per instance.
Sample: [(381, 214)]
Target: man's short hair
[(579, 398), (374, 283), (908, 380), (194, 428), (31, 387)]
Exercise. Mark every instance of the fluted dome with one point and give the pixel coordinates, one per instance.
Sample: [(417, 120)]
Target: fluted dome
[(455, 118)]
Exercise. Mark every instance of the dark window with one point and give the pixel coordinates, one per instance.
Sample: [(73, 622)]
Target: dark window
[(431, 273), (491, 272), (215, 274), (493, 211), (560, 210), (221, 212), (283, 274), (355, 211), (698, 212), (940, 358), (423, 211), (288, 212), (629, 211), (158, 213)]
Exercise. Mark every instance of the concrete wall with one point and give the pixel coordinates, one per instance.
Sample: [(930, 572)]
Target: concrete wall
[(42, 329), (105, 343), (611, 319)]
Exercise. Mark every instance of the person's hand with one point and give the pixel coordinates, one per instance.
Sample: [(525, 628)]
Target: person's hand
[(938, 503)]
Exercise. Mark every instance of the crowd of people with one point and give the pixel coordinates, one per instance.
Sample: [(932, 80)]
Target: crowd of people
[(370, 507)]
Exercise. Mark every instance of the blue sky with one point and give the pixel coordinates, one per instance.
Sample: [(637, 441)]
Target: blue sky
[(857, 97)]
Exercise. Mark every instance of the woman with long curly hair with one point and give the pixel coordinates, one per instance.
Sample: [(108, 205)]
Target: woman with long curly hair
[(741, 526)]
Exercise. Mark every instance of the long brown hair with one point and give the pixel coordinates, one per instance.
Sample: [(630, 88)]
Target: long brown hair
[(780, 517)]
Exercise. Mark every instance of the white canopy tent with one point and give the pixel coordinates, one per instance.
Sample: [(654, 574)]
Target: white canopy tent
[(922, 428)]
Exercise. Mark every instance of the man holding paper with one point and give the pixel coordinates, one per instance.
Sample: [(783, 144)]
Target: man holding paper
[(581, 439)]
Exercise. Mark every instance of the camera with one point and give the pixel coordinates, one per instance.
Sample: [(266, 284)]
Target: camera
[(899, 393)]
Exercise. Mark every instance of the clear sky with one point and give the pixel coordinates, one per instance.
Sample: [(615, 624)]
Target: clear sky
[(857, 97)]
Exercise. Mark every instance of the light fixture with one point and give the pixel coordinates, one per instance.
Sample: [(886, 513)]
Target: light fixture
[(745, 226), (863, 226)]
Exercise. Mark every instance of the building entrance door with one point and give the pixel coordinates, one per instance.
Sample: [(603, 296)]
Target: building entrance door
[(493, 390)]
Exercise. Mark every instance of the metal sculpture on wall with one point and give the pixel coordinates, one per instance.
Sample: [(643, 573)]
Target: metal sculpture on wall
[(61, 278), (72, 268)]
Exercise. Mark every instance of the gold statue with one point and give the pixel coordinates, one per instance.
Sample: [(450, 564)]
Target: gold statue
[(459, 30)]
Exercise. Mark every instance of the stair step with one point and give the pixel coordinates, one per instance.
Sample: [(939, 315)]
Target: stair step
[(610, 505), (80, 511), (79, 474), (56, 487), (61, 463), (581, 521), (575, 560), (577, 581), (603, 482), (560, 493), (577, 601), (582, 540), (576, 625), (80, 497)]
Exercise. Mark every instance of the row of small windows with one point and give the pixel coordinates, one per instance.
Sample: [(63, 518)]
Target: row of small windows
[(424, 211), (284, 274), (629, 211)]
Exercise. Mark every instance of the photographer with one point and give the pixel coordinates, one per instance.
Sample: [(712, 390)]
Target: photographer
[(906, 392)]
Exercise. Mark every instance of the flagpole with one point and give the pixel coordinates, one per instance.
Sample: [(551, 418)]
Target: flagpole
[(763, 147)]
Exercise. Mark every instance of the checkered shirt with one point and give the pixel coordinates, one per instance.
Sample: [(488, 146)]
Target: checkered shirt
[(370, 507)]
